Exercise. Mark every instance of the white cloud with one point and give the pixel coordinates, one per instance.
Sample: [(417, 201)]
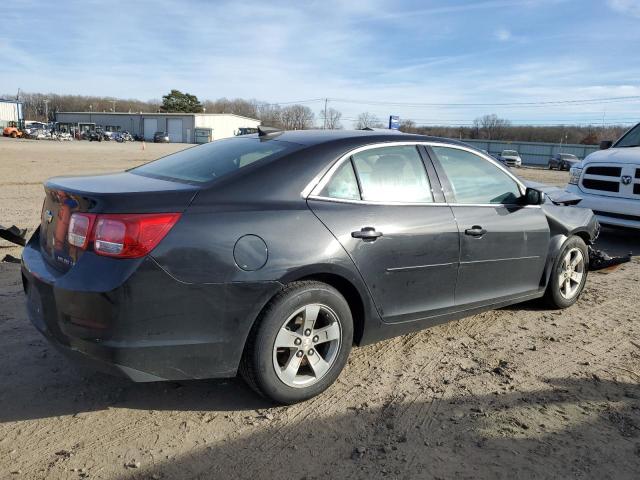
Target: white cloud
[(628, 7), (503, 34)]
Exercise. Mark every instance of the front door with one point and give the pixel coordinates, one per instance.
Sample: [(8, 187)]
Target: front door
[(503, 243), (380, 207)]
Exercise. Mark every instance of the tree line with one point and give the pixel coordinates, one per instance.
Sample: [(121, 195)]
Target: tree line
[(39, 106)]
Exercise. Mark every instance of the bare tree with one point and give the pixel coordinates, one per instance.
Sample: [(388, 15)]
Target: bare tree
[(332, 122), (408, 126), (368, 120), (492, 125), (296, 117)]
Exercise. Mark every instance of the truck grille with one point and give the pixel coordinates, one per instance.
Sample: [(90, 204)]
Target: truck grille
[(605, 172), (612, 180), (603, 185)]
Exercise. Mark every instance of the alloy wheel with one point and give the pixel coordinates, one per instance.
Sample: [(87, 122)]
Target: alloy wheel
[(572, 271), (307, 345)]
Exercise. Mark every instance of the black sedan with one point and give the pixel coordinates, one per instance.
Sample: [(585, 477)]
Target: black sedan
[(161, 137), (563, 161), (271, 254)]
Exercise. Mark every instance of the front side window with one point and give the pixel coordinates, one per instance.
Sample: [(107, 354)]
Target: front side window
[(475, 180), (392, 174)]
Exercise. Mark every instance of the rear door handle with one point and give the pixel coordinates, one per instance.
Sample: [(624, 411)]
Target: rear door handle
[(475, 231), (367, 234)]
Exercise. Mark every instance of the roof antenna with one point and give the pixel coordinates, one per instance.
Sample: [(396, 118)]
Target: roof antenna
[(265, 131)]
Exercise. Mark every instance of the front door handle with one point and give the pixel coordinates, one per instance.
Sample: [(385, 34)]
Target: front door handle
[(368, 234), (475, 231)]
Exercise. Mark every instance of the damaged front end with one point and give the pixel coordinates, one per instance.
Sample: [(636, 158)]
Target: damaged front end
[(565, 220)]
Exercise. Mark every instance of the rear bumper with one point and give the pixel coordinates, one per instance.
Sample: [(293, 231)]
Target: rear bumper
[(130, 318), (622, 212)]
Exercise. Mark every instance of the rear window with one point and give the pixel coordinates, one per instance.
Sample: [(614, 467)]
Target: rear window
[(216, 159)]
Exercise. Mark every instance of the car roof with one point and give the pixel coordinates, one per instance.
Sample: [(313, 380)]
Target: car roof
[(318, 137)]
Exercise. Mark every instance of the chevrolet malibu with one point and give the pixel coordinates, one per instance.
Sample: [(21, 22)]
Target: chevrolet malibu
[(271, 254)]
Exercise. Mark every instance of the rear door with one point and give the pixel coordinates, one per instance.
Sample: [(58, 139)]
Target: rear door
[(385, 212), (503, 243)]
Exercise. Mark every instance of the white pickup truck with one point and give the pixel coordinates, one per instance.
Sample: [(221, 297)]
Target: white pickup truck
[(608, 181)]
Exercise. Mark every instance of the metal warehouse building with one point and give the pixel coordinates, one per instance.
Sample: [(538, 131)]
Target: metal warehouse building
[(10, 111), (181, 127)]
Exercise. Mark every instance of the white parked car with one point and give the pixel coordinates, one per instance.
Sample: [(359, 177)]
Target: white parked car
[(608, 181), (511, 158)]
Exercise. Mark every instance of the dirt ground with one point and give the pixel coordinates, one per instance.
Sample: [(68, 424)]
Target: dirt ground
[(518, 392)]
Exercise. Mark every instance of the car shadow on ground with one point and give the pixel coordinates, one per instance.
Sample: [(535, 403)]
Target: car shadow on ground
[(619, 241), (57, 387), (574, 428)]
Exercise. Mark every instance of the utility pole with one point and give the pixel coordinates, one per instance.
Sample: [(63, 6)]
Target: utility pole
[(324, 127), (113, 105), (46, 109)]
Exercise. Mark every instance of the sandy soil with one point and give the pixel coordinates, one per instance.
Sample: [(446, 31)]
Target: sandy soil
[(518, 392)]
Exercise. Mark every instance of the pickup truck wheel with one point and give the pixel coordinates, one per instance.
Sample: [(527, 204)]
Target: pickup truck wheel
[(569, 274), (14, 134), (300, 343)]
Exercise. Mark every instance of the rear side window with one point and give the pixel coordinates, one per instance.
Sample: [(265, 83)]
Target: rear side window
[(475, 180), (343, 184), (392, 174), (216, 159)]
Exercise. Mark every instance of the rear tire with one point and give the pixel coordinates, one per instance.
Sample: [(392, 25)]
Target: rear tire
[(569, 274), (290, 356), (14, 134)]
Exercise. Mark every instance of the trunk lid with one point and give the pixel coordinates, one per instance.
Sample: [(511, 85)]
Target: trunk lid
[(112, 193)]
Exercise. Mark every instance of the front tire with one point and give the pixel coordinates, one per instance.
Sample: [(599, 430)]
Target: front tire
[(299, 344), (569, 274)]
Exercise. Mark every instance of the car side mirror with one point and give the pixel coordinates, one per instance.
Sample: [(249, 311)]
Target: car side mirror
[(533, 197), (605, 144)]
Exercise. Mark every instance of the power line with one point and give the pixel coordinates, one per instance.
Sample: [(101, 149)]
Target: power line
[(591, 101)]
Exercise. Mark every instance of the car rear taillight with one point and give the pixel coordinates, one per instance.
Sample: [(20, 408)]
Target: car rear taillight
[(131, 235), (127, 235), (80, 229)]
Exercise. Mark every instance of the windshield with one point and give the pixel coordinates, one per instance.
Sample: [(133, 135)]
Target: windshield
[(509, 152), (630, 139), (216, 159)]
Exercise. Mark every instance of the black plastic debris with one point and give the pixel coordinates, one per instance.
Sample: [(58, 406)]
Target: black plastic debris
[(10, 259), (599, 260), (14, 234)]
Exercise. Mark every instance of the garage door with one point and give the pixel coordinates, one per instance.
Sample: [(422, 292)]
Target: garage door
[(174, 129), (150, 127)]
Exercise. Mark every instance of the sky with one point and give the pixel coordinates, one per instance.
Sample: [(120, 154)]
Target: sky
[(429, 61)]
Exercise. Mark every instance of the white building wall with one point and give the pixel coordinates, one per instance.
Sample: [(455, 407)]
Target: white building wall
[(224, 125), (8, 113)]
